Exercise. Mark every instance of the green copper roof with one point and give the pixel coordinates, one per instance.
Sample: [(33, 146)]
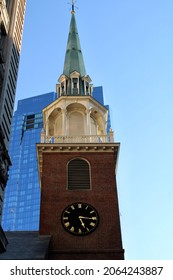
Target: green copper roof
[(73, 57)]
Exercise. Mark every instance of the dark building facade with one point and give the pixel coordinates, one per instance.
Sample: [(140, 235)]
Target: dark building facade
[(11, 28)]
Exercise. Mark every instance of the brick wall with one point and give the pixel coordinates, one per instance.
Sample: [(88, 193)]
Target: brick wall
[(105, 241)]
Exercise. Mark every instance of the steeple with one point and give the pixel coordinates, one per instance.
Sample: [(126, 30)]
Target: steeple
[(76, 162), (73, 58), (74, 80)]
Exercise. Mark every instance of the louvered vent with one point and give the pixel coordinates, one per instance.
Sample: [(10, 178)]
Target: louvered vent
[(78, 174)]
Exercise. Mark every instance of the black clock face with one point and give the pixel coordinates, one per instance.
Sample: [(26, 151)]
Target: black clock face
[(80, 218)]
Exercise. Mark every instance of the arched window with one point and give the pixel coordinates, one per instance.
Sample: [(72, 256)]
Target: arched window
[(78, 174)]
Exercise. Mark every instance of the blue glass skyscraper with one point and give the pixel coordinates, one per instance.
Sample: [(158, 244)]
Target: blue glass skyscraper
[(98, 95), (22, 198)]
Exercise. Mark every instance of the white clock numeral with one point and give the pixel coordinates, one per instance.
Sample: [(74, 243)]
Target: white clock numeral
[(79, 205), (72, 229), (92, 224), (67, 224)]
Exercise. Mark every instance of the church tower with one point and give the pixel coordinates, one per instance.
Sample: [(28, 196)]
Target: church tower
[(77, 167)]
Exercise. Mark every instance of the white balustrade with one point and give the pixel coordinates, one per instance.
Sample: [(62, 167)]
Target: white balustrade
[(78, 139)]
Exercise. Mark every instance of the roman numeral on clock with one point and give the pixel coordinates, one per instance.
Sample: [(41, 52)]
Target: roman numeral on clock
[(92, 224), (67, 224)]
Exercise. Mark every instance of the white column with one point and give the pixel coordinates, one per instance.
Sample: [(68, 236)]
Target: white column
[(78, 88), (64, 118), (111, 135), (88, 122), (47, 127), (42, 136)]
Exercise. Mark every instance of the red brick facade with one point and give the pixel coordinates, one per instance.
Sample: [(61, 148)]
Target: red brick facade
[(105, 242)]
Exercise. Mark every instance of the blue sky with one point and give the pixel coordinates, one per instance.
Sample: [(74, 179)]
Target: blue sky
[(128, 49)]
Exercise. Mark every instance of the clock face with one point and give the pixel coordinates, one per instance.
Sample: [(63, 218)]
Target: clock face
[(80, 218)]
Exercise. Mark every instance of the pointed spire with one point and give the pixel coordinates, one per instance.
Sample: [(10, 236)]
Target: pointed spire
[(73, 57), (74, 80)]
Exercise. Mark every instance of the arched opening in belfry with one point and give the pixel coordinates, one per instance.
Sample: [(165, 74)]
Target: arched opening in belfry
[(76, 124), (76, 119), (55, 122)]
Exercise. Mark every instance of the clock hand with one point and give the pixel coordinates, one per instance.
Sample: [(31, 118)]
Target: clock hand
[(82, 217), (82, 223)]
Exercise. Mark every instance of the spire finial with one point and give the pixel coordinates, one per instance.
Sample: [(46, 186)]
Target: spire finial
[(72, 11)]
